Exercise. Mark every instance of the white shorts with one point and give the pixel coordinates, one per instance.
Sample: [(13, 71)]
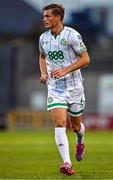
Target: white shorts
[(73, 100)]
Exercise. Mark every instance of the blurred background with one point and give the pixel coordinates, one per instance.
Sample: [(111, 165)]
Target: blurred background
[(22, 97)]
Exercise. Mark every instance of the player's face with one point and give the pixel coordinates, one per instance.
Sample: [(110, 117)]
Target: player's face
[(50, 21)]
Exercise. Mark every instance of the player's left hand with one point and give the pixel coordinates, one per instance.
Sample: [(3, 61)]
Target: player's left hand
[(58, 73)]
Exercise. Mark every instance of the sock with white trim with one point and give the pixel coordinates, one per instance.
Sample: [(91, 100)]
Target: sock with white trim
[(62, 143), (80, 135)]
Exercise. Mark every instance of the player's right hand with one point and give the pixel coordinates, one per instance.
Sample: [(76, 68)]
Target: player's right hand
[(43, 79)]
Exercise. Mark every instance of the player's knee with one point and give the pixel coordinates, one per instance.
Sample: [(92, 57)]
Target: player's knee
[(76, 127), (60, 124)]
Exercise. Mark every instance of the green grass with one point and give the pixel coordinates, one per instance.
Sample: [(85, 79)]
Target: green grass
[(33, 155)]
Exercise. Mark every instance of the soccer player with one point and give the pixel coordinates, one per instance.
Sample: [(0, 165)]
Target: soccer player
[(62, 54)]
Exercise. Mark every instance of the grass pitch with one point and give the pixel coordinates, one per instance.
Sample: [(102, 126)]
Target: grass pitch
[(33, 155)]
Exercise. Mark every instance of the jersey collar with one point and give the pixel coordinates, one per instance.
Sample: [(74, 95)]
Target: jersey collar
[(56, 35)]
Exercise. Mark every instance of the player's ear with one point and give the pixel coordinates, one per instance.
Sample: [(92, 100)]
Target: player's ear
[(58, 17)]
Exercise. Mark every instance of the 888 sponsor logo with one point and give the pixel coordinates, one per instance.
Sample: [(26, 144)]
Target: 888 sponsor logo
[(56, 56)]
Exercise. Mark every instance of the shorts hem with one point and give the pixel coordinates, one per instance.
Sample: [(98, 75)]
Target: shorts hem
[(57, 106), (75, 114)]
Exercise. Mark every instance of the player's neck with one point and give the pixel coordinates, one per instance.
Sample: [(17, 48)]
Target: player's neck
[(56, 30)]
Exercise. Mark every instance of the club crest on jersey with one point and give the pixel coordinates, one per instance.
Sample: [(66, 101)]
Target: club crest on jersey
[(63, 42)]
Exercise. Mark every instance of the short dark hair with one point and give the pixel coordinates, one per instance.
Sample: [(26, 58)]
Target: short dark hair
[(57, 9)]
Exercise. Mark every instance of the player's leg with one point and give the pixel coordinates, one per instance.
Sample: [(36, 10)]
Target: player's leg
[(59, 116), (79, 130), (75, 112), (58, 106)]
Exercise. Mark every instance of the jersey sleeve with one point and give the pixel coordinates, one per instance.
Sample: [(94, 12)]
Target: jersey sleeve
[(40, 44), (76, 43)]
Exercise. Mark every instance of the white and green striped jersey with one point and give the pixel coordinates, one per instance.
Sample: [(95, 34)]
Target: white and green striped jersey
[(61, 51)]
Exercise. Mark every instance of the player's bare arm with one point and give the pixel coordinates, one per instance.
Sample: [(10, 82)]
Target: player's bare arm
[(42, 63), (83, 61)]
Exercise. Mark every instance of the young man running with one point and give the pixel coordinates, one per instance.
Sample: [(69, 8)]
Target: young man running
[(62, 54)]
